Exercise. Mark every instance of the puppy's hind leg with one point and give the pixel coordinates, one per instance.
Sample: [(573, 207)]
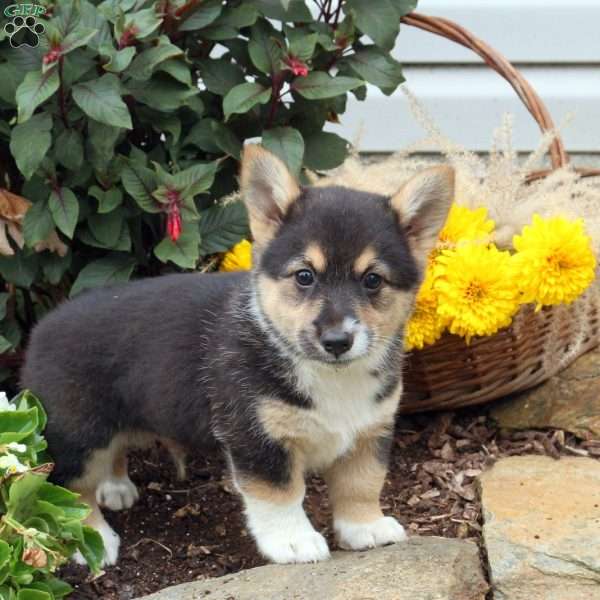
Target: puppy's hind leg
[(117, 491)]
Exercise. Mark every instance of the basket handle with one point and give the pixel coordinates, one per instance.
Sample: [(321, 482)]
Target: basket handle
[(501, 65)]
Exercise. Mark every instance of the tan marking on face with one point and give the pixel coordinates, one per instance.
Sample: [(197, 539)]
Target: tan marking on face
[(315, 255), (392, 310), (355, 480), (366, 259), (283, 305), (266, 491)]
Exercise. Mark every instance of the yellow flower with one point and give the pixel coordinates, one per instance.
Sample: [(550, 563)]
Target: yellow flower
[(425, 325), (239, 258), (555, 260), (465, 224), (476, 289)]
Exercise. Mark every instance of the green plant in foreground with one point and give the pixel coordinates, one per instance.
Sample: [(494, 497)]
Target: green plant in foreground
[(41, 524), (124, 129)]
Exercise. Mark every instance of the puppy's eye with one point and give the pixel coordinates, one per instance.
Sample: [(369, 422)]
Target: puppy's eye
[(372, 281), (305, 277)]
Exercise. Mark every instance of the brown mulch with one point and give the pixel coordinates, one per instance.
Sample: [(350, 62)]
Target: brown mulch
[(190, 530)]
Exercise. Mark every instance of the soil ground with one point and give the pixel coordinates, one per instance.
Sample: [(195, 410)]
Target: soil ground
[(194, 529)]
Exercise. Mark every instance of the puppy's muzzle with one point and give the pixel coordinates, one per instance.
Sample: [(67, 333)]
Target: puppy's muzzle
[(336, 341)]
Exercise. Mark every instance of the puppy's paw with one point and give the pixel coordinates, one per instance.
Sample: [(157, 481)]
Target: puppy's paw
[(302, 547), (359, 536), (117, 493), (111, 540)]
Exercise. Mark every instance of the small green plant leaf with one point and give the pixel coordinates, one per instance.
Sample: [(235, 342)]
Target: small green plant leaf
[(36, 88), (38, 223), (114, 268), (318, 85), (101, 100), (185, 251), (222, 226), (287, 144), (68, 148), (145, 63), (220, 76), (108, 200), (140, 182), (30, 142), (118, 60), (243, 97), (379, 19), (64, 207), (377, 68), (203, 15), (265, 47), (324, 150)]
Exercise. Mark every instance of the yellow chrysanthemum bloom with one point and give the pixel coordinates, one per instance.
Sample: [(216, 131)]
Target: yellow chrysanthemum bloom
[(476, 289), (555, 260), (465, 224), (425, 325), (239, 258)]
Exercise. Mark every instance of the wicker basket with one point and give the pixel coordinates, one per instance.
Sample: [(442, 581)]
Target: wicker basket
[(450, 374)]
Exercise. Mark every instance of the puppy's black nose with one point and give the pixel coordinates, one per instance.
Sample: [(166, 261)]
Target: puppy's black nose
[(336, 342)]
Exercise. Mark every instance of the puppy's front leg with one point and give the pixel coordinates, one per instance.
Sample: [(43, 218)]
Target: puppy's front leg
[(355, 481), (275, 515)]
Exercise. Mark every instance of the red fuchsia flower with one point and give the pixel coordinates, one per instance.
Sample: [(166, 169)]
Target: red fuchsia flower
[(174, 215), (52, 56), (128, 37), (296, 66)]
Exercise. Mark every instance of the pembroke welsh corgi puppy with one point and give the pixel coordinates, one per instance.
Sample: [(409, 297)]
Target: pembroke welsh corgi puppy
[(291, 368)]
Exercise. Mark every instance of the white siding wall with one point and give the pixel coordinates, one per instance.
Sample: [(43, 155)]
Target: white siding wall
[(554, 43)]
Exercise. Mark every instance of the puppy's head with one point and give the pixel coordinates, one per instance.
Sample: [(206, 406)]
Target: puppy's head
[(337, 270)]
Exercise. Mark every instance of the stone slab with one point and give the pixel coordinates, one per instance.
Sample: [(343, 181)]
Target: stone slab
[(569, 400), (425, 568), (542, 528)]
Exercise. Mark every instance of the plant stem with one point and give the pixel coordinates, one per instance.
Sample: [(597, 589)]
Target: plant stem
[(61, 93)]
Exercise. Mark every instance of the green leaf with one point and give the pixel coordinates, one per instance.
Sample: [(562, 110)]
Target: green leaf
[(54, 266), (112, 269), (3, 300), (324, 150), (263, 48), (145, 21), (101, 100), (243, 15), (5, 346), (100, 143), (196, 179), (296, 10), (243, 97), (302, 43), (108, 200), (80, 37), (145, 63), (36, 88), (30, 142), (64, 207), (225, 139), (5, 552), (140, 182), (29, 594), (92, 548), (220, 75), (11, 76), (379, 19), (222, 226), (318, 85), (178, 69), (378, 68), (68, 149), (23, 492), (161, 93), (287, 144), (38, 223), (107, 228), (118, 60), (203, 15), (202, 136), (185, 251), (19, 269)]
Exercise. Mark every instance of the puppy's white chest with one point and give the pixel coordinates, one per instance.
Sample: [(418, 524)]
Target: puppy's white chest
[(345, 405)]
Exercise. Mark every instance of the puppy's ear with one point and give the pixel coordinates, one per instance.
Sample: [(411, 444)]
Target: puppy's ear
[(268, 190), (422, 205)]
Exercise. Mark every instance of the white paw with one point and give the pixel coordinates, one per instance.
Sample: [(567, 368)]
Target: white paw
[(359, 536), (117, 493), (111, 540), (302, 547)]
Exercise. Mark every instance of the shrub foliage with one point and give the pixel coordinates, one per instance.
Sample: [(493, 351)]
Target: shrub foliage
[(41, 524), (121, 132)]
